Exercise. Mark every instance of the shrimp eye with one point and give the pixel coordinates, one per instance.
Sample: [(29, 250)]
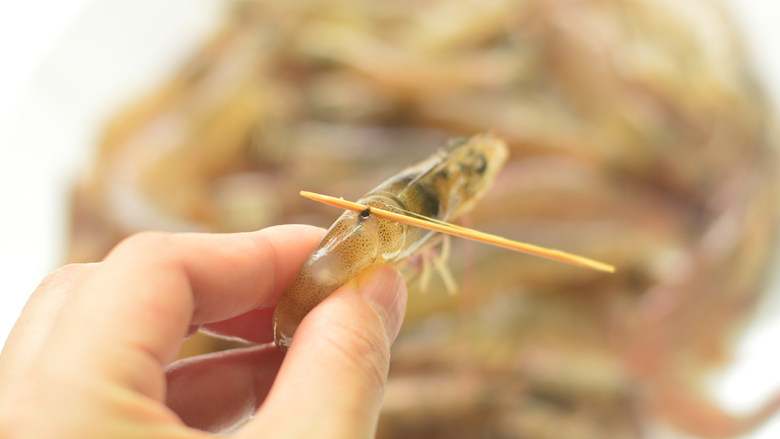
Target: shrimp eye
[(365, 213), (481, 165)]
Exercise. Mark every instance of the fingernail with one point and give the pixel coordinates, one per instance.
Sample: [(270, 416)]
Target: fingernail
[(384, 288)]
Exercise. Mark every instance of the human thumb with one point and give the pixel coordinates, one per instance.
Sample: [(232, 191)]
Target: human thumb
[(332, 381)]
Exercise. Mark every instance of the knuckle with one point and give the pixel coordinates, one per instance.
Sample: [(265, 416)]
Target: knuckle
[(151, 243), (146, 239), (61, 277)]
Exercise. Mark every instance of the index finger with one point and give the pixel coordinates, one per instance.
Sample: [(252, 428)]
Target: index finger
[(146, 293)]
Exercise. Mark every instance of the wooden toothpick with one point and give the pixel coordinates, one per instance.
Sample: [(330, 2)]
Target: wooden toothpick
[(464, 232)]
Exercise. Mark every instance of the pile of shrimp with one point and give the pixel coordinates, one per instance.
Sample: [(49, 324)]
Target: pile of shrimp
[(637, 136)]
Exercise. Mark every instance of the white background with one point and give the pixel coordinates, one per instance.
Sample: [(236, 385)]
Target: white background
[(67, 64)]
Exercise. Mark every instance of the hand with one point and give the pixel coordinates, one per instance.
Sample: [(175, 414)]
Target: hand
[(89, 356)]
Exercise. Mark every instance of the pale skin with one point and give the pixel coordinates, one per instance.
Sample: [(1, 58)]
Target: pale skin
[(92, 353)]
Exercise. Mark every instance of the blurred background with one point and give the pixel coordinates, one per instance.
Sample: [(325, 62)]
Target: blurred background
[(642, 133)]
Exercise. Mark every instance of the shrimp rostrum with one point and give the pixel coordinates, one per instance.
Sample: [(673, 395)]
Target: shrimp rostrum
[(441, 187)]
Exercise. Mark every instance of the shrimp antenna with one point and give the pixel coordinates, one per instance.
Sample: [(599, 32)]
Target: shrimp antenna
[(463, 232)]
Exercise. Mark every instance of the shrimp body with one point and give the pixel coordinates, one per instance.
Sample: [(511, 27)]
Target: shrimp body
[(440, 187)]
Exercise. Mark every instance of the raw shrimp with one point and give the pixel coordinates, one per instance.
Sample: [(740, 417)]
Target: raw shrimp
[(440, 187)]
